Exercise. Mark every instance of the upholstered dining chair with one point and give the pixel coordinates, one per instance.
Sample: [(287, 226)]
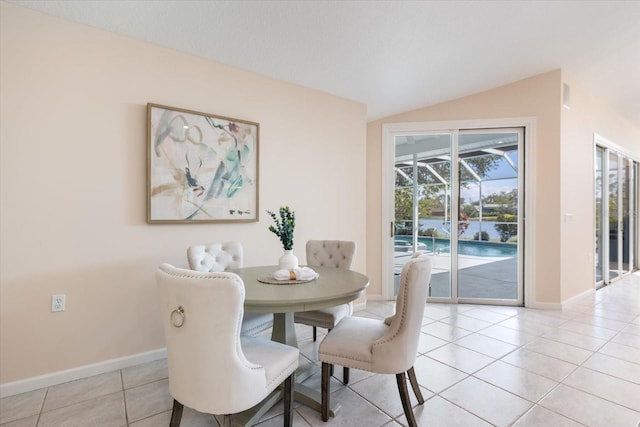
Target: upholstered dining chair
[(213, 257), (383, 346), (327, 253), (212, 368)]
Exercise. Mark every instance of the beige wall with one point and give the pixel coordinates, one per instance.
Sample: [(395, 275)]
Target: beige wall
[(73, 159), (586, 116), (563, 150)]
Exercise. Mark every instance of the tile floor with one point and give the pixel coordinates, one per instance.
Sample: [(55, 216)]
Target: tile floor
[(477, 366)]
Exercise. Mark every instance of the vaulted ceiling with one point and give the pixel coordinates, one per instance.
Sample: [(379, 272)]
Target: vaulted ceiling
[(393, 56)]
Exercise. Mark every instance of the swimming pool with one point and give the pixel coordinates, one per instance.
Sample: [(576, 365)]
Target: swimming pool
[(465, 247)]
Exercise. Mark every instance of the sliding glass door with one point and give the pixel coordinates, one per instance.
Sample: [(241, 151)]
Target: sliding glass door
[(600, 215), (423, 189), (458, 196), (616, 209), (626, 215), (489, 206), (614, 217)]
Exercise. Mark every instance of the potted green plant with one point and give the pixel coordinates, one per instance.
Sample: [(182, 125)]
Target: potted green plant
[(285, 223)]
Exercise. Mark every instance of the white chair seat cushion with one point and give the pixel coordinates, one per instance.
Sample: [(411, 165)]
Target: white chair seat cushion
[(255, 323), (353, 337), (278, 360), (323, 318)]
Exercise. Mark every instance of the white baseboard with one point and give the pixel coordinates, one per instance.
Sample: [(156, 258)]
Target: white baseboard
[(577, 297), (545, 305), (359, 306), (54, 378), (377, 298), (560, 305), (534, 304)]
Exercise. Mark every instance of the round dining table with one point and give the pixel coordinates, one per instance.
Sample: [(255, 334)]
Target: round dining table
[(333, 286)]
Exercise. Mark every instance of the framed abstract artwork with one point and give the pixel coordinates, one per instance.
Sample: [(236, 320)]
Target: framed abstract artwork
[(200, 167)]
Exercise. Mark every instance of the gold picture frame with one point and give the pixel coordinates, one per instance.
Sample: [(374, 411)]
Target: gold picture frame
[(201, 168)]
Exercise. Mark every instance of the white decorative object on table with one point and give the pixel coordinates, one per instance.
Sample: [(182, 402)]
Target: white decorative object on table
[(288, 261), (290, 277), (284, 226), (304, 273)]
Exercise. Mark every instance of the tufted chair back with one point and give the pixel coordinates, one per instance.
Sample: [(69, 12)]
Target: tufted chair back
[(334, 254), (330, 253), (211, 368), (215, 256)]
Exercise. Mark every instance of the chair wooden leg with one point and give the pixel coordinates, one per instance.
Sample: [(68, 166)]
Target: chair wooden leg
[(226, 421), (406, 401), (176, 414), (288, 400), (345, 375), (315, 334), (415, 385), (325, 390)]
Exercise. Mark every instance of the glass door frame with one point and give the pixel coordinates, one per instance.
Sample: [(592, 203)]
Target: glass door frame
[(520, 217), (391, 130), (632, 182), (604, 217), (635, 231)]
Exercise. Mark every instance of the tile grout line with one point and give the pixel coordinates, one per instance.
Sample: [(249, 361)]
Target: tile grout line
[(124, 399), (42, 406)]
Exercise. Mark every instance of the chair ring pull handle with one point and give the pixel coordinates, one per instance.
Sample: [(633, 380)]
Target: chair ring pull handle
[(177, 317)]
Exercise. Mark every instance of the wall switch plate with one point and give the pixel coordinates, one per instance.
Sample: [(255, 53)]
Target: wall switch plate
[(58, 302)]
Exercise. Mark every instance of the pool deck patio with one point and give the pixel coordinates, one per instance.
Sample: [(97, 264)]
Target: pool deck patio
[(478, 277)]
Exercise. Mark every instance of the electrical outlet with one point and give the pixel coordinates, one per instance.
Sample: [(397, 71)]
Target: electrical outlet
[(58, 302)]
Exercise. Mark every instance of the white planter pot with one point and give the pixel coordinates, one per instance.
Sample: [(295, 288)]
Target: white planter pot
[(288, 261)]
